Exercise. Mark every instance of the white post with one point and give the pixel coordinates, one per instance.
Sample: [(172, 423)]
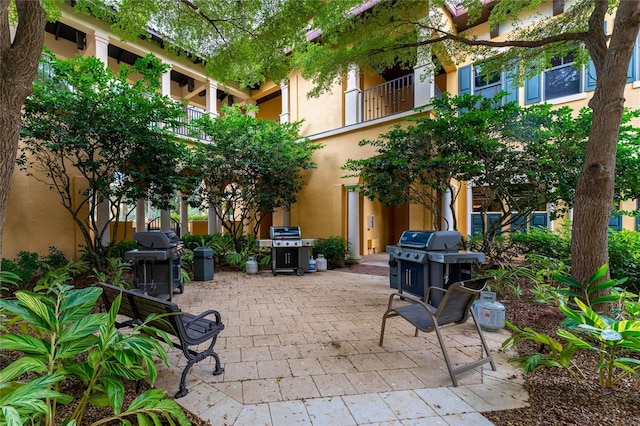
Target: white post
[(103, 219), (446, 212), (184, 215), (212, 225), (352, 113), (353, 222), (286, 216), (423, 84), (102, 47), (211, 99), (141, 221), (284, 96), (165, 220)]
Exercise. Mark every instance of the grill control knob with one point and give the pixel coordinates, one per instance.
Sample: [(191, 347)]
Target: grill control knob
[(415, 256), (407, 255)]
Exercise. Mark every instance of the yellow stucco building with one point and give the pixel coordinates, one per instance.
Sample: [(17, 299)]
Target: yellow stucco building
[(354, 110)]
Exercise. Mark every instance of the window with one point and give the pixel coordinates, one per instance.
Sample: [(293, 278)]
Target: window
[(562, 79), (486, 85), (471, 80)]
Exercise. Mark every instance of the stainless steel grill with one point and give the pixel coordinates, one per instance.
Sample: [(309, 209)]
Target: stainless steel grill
[(429, 258), (157, 263), (289, 251)]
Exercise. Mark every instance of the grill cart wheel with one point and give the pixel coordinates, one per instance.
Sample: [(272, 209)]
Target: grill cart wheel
[(299, 272)]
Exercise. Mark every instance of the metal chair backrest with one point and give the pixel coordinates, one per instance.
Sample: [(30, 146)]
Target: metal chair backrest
[(456, 304)]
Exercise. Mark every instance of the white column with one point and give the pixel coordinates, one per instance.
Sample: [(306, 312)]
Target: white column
[(250, 113), (352, 108), (103, 219), (102, 209), (353, 222), (102, 47), (423, 84), (212, 225), (141, 221), (211, 99), (165, 220), (165, 215), (284, 96), (446, 212), (184, 215)]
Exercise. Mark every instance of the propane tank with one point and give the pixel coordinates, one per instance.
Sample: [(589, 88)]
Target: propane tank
[(251, 267), (312, 264), (321, 263), (490, 313)]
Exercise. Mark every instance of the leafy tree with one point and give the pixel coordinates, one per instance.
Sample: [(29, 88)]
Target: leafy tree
[(394, 32), (244, 42), (250, 168), (520, 158), (86, 121)]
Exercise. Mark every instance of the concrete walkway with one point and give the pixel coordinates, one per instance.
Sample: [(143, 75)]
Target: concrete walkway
[(304, 351)]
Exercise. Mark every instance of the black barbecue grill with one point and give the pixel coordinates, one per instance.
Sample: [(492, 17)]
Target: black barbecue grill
[(429, 258), (289, 252), (157, 263)]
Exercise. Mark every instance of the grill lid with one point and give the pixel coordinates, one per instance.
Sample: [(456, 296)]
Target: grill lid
[(431, 240), (153, 240), (284, 232)]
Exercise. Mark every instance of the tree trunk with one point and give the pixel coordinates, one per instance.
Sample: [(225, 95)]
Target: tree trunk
[(595, 187), (18, 67)]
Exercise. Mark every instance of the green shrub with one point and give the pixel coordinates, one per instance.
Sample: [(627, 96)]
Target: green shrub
[(624, 257), (122, 247), (25, 265), (68, 342), (54, 259), (334, 250), (543, 242)]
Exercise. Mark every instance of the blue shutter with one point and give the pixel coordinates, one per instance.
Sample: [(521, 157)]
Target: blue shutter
[(532, 90), (464, 80), (540, 220), (615, 222), (476, 224), (637, 223), (518, 224), (509, 86), (491, 219), (590, 78)]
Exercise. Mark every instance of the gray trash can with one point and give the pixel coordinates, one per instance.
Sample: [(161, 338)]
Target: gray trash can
[(202, 264)]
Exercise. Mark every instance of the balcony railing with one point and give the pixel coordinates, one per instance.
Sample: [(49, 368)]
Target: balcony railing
[(191, 114), (391, 97)]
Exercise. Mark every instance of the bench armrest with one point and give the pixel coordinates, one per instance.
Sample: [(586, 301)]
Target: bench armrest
[(203, 315)]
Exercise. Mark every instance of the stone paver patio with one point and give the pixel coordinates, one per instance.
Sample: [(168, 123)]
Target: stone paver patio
[(304, 351)]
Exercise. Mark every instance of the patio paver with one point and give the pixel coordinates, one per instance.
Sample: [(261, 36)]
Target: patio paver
[(304, 350)]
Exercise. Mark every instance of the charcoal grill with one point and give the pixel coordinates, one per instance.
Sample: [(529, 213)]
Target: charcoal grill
[(429, 258), (157, 263), (289, 251)]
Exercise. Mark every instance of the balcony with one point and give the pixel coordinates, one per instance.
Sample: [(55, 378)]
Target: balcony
[(391, 97)]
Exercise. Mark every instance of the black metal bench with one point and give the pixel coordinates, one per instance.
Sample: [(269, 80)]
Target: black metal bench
[(190, 330)]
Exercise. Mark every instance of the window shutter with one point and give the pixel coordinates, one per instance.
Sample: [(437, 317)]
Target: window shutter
[(464, 80), (476, 224), (615, 222), (512, 95), (631, 74), (590, 78), (532, 90)]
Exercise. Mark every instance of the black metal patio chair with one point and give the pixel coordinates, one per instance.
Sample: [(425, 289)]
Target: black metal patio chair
[(454, 308)]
